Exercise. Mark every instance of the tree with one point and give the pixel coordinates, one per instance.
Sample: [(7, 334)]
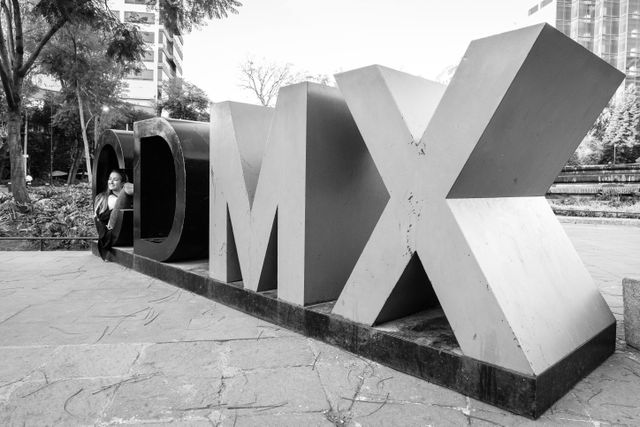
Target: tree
[(590, 149), (622, 135), (19, 49), (264, 79), (184, 100), (89, 78), (122, 116)]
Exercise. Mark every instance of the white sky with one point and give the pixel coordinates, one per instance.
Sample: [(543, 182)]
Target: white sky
[(420, 37)]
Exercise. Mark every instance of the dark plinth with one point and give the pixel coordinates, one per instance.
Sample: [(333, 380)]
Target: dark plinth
[(115, 151), (171, 218), (421, 345)]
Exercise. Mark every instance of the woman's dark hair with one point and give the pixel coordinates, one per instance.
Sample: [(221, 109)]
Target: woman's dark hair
[(122, 174)]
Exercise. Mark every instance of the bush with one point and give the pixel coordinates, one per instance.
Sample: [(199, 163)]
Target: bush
[(65, 211)]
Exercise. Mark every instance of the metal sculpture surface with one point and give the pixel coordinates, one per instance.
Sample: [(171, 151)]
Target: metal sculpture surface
[(171, 200), (295, 194), (115, 151), (388, 196), (467, 171)]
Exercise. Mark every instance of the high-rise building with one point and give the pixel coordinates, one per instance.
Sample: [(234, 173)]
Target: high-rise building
[(162, 58), (554, 12), (609, 28)]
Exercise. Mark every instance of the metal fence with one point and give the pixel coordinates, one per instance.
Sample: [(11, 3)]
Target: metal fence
[(43, 238)]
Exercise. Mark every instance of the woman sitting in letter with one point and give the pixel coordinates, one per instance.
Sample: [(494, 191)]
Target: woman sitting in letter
[(116, 196)]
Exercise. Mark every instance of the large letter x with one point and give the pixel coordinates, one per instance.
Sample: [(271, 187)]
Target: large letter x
[(467, 171)]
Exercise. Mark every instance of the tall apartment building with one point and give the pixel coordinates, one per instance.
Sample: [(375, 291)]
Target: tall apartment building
[(162, 58), (609, 28)]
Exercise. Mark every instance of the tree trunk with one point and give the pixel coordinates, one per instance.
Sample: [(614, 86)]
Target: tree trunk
[(4, 148), (83, 126), (73, 170), (18, 182), (96, 136)]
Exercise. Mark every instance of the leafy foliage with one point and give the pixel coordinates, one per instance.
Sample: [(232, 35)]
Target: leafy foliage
[(27, 27), (183, 16), (617, 127), (56, 212), (179, 15), (184, 100), (90, 78), (120, 117), (621, 136), (78, 56)]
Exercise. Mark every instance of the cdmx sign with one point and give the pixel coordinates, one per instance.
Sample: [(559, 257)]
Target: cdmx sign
[(392, 194)]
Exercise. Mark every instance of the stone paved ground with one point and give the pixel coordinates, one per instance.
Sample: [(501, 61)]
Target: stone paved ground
[(84, 342)]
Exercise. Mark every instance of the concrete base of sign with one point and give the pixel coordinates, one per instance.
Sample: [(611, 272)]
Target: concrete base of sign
[(422, 345), (631, 299)]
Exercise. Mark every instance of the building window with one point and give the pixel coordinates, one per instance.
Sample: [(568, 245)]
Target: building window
[(141, 75), (545, 2), (586, 11), (137, 1), (610, 27), (148, 36), (139, 17), (147, 55), (583, 29), (533, 10), (610, 46), (611, 8)]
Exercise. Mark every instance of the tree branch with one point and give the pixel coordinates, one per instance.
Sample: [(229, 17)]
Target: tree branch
[(34, 55), (19, 45), (6, 85), (5, 70), (4, 55), (10, 44)]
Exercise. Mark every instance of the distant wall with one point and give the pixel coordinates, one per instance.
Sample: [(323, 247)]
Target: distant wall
[(590, 174)]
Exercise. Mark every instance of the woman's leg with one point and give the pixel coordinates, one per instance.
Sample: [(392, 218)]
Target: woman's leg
[(124, 201), (104, 236)]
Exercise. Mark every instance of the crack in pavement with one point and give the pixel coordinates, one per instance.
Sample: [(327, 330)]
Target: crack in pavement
[(16, 313)]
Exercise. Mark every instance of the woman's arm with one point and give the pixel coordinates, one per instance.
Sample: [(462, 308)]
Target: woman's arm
[(128, 188)]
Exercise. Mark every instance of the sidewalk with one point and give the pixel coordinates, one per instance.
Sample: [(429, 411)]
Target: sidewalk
[(84, 342)]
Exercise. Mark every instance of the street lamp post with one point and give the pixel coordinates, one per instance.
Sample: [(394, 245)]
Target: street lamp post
[(51, 141), (26, 139)]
